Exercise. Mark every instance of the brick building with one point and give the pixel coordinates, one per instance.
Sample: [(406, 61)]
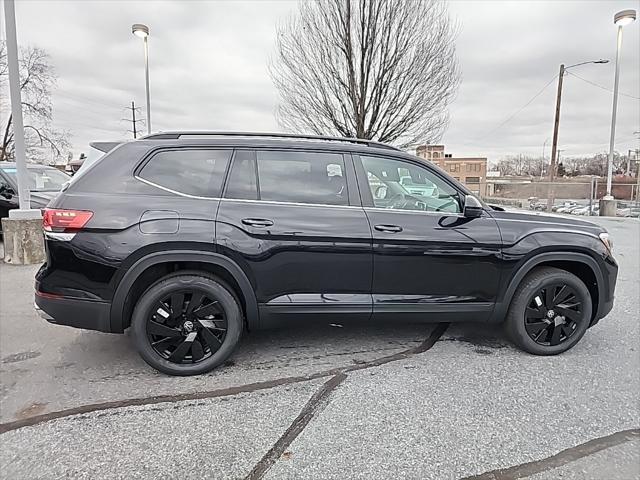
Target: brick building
[(471, 171)]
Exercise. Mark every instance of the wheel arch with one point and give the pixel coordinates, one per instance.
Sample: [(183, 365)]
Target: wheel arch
[(148, 269), (582, 265)]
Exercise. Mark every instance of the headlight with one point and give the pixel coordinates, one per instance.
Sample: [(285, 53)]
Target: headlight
[(604, 237)]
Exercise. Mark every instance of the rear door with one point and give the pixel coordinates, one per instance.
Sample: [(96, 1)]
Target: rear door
[(292, 219), (430, 262)]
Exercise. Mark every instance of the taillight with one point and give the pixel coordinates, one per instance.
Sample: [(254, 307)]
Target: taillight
[(60, 220)]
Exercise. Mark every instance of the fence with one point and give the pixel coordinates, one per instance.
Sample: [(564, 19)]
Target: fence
[(528, 193)]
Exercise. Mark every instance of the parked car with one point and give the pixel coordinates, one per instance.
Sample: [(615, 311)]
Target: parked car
[(623, 212), (568, 207), (634, 212), (44, 183), (190, 238), (586, 210)]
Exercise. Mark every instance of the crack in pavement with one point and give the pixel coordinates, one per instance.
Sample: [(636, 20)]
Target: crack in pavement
[(437, 332), (321, 398), (315, 404), (562, 458)]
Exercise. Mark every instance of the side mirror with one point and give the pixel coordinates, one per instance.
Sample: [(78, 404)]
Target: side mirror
[(7, 192), (472, 207)]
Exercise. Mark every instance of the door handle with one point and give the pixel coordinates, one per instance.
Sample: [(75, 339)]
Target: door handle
[(388, 228), (257, 222)]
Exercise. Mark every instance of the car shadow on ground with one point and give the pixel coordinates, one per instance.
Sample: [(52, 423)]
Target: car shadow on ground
[(318, 344)]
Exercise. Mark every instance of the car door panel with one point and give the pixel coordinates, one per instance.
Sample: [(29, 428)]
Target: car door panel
[(433, 265), (300, 257), (437, 263)]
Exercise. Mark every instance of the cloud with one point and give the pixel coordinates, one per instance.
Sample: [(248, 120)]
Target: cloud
[(208, 69)]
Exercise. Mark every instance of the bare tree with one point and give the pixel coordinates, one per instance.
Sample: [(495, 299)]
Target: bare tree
[(521, 165), (37, 78), (374, 69)]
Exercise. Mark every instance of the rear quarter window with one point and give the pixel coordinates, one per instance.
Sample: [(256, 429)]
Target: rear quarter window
[(188, 171)]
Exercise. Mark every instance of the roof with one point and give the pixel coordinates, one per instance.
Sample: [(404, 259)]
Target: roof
[(206, 135)]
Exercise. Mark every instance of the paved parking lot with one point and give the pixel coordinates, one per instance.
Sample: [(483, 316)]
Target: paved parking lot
[(388, 401)]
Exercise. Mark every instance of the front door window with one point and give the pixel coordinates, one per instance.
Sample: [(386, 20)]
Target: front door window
[(402, 185)]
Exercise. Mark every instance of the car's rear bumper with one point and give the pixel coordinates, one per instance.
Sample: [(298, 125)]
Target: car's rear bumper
[(87, 314)]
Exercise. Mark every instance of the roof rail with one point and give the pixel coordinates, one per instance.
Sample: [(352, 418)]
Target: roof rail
[(177, 135)]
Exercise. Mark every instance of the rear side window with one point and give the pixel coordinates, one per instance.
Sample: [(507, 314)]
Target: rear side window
[(302, 177), (192, 172)]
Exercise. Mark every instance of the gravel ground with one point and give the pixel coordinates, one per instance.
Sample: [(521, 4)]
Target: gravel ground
[(469, 405)]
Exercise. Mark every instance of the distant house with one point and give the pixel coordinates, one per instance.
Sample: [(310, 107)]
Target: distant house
[(74, 165), (471, 171)]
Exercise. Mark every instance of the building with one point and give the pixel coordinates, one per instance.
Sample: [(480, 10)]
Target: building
[(471, 171)]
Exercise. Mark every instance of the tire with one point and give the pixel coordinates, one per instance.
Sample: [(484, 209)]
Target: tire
[(170, 319), (544, 327)]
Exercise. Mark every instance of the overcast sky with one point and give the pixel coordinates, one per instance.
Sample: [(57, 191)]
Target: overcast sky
[(208, 69)]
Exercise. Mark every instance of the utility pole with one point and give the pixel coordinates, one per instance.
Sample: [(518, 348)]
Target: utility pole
[(133, 120), (554, 144)]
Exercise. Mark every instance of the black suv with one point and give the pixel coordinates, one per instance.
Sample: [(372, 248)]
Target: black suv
[(189, 238)]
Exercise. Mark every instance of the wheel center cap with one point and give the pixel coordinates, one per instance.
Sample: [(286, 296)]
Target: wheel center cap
[(551, 314), (188, 326)]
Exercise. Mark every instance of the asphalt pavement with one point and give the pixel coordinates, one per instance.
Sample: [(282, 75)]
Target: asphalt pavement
[(327, 401)]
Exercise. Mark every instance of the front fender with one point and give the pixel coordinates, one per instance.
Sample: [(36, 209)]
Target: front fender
[(545, 247)]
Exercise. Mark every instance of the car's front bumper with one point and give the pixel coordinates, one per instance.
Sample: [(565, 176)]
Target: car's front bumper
[(87, 314), (607, 293)]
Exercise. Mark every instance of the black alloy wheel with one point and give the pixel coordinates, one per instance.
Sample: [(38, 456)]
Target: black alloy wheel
[(187, 326), (550, 311), (553, 314), (187, 323)]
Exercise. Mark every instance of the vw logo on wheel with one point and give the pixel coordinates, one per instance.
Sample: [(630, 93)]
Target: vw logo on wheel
[(188, 326)]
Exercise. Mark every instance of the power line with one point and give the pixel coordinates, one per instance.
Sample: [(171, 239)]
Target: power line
[(602, 86), (513, 115)]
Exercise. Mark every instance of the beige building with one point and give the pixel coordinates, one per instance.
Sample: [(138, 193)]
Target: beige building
[(471, 171)]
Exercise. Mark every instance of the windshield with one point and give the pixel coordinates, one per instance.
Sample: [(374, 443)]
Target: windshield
[(41, 179)]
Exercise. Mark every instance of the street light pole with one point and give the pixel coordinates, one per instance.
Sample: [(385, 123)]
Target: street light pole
[(23, 240), (146, 78), (16, 104), (142, 31), (544, 158), (612, 137), (622, 18)]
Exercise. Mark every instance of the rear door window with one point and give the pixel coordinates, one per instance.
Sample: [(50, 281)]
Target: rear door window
[(302, 177), (196, 172)]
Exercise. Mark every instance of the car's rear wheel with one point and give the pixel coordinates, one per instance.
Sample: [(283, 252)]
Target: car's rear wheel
[(186, 324), (550, 312)]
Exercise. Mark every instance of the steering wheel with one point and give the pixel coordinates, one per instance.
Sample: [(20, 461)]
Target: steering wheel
[(406, 202)]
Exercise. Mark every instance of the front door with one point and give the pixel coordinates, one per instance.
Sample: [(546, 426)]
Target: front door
[(430, 262), (293, 221)]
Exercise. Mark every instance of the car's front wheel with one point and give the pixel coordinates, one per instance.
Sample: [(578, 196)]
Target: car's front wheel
[(186, 324), (550, 312)]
